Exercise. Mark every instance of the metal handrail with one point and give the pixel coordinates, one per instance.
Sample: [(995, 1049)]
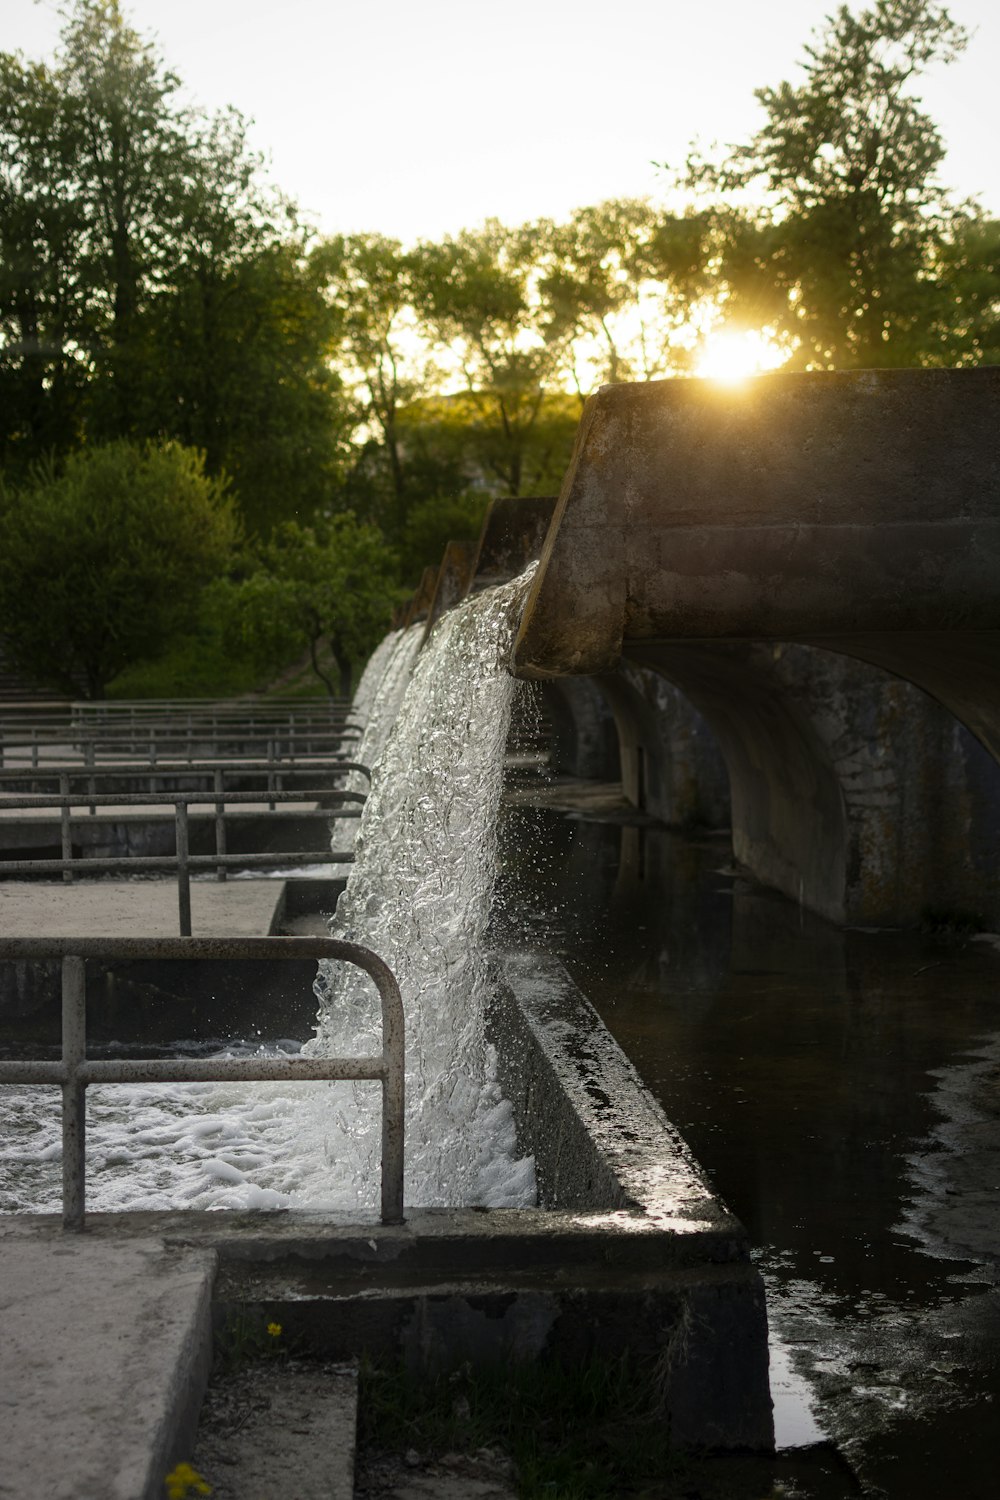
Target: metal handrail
[(74, 1072), (181, 861), (154, 771), (280, 744), (182, 804)]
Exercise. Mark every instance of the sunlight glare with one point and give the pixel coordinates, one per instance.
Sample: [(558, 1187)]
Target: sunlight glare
[(732, 355)]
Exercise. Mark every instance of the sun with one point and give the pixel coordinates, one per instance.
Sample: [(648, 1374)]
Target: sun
[(734, 354)]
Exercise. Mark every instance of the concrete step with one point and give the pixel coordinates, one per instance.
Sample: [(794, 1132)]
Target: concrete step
[(103, 1362), (272, 1429)]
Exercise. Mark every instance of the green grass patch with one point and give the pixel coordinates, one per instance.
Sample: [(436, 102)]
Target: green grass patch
[(574, 1432), (194, 666)]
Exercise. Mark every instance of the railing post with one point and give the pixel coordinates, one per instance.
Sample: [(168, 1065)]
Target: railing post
[(393, 1094), (74, 1110), (183, 873), (64, 824), (89, 761), (220, 821), (270, 774)]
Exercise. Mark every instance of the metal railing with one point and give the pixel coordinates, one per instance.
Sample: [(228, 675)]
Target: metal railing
[(273, 773), (153, 744), (181, 862), (75, 1071)]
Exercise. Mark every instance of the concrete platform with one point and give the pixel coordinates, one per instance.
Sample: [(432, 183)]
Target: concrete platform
[(139, 908), (103, 1362)]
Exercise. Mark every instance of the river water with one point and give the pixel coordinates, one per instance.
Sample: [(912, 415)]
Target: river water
[(842, 1092)]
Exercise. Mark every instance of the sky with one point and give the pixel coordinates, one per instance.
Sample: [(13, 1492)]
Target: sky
[(417, 118)]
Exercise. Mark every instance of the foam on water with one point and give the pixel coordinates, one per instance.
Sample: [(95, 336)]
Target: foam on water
[(420, 895)]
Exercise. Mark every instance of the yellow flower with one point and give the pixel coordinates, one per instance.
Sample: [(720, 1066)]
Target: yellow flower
[(184, 1481), (274, 1329)]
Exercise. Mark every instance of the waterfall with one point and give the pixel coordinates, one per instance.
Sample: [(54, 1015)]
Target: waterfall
[(419, 894), (375, 705), (384, 705), (371, 677)]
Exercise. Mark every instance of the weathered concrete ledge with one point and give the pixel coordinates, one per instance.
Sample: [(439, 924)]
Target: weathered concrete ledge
[(452, 581), (513, 535), (638, 1258)]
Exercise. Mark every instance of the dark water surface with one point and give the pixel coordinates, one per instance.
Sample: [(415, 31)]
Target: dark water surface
[(842, 1092)]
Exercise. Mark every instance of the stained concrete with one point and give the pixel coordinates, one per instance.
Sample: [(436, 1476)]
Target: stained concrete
[(512, 536), (452, 581), (103, 1361), (138, 908)]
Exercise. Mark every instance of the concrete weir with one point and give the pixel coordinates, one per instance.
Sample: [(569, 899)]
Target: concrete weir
[(813, 561), (630, 1252)]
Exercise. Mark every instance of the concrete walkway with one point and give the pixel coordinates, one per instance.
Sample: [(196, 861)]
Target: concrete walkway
[(103, 1362), (138, 908)]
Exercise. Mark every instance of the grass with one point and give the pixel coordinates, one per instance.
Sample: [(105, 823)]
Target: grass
[(574, 1432)]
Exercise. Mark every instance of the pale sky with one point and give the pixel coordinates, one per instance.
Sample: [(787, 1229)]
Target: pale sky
[(421, 117)]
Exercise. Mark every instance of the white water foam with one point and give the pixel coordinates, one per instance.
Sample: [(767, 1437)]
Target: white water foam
[(420, 895)]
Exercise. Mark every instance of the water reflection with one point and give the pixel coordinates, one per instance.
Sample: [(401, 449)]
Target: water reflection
[(841, 1091)]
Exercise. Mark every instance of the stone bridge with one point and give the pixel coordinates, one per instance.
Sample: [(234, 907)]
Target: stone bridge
[(792, 554)]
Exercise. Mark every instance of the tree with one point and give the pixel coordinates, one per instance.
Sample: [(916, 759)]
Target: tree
[(618, 283), (152, 283), (368, 283), (845, 249), (433, 523), (242, 371), (478, 294), (45, 323), (102, 563), (334, 584), (969, 326)]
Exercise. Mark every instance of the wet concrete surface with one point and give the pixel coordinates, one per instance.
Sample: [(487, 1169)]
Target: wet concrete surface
[(842, 1092)]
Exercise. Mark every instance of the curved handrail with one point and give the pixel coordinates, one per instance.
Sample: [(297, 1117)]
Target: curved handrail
[(75, 1072)]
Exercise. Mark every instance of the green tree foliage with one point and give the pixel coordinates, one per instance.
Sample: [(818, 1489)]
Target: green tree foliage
[(432, 524), (368, 283), (968, 330), (477, 293), (334, 584), (242, 372), (105, 562), (845, 256), (151, 283), (618, 283)]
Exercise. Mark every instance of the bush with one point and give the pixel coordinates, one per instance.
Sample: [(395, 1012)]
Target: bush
[(103, 564)]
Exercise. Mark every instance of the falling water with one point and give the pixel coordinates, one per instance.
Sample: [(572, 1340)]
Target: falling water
[(376, 704), (371, 677), (419, 895), (381, 711)]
